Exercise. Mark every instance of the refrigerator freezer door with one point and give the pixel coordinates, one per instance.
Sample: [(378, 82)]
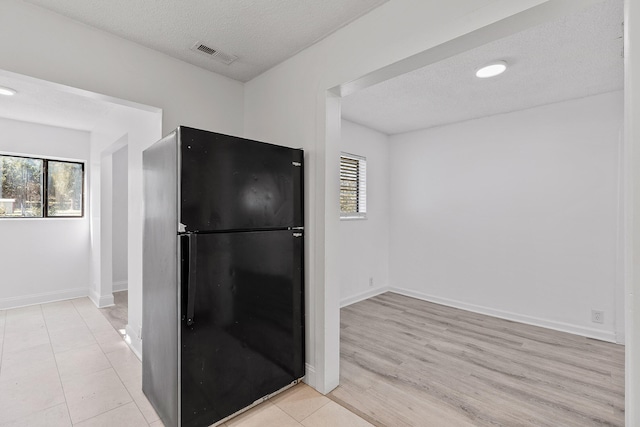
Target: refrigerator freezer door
[(245, 338), (230, 183)]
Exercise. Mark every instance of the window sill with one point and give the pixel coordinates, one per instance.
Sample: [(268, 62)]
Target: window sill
[(353, 217)]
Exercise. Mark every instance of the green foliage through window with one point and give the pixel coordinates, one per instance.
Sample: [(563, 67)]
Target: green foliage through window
[(64, 188), (353, 186), (36, 188)]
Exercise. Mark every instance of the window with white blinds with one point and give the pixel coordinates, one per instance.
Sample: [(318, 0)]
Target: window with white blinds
[(353, 186)]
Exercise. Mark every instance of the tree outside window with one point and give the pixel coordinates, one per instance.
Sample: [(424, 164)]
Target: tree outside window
[(64, 189), (21, 189), (36, 188)]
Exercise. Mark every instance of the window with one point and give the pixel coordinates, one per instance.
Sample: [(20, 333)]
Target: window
[(353, 186), (37, 188), (64, 188)]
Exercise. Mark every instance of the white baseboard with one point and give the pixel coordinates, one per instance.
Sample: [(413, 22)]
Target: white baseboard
[(134, 343), (529, 320), (312, 380), (122, 285), (42, 298), (101, 301), (363, 296), (310, 376)]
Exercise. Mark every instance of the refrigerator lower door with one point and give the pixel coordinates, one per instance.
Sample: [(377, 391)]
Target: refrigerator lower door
[(242, 329)]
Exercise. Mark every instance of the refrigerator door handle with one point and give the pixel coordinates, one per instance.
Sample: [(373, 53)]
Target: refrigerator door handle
[(192, 278)]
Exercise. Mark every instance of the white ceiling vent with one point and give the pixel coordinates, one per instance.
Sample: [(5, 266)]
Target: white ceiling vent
[(213, 53)]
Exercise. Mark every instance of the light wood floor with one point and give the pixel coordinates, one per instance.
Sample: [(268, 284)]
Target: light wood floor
[(407, 362)]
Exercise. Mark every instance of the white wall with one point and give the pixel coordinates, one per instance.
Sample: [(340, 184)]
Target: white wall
[(514, 215), (632, 210), (120, 212), (66, 52), (364, 243), (43, 259)]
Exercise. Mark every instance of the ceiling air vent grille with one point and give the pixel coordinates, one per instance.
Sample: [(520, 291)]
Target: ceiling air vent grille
[(206, 49), (213, 53)]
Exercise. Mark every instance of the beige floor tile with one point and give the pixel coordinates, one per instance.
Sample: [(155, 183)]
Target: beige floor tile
[(135, 390), (24, 312), (62, 321), (57, 326), (28, 394), (81, 361), (110, 340), (26, 319), (17, 340), (3, 315), (58, 307), (300, 401), (31, 361), (31, 327), (26, 316), (34, 328), (56, 416), (84, 302), (94, 319), (331, 415), (161, 424), (85, 307), (264, 415), (93, 394), (126, 364), (133, 383), (97, 324), (74, 336), (125, 416)]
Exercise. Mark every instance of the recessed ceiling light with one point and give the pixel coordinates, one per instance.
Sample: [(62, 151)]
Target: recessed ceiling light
[(492, 69), (7, 91)]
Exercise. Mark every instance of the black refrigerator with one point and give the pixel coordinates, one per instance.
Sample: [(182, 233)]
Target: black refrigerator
[(223, 302)]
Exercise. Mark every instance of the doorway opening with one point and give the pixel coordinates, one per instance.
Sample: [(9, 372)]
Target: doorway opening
[(105, 125)]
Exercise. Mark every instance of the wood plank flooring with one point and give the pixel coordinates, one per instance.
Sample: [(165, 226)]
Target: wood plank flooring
[(407, 362)]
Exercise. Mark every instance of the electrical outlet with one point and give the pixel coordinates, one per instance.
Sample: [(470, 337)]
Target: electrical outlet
[(140, 332), (597, 316), (370, 282)]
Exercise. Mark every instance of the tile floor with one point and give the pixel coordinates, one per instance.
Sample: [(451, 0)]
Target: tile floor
[(64, 364), (118, 314)]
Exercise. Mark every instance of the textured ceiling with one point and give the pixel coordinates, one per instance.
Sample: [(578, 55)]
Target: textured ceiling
[(577, 56), (260, 33), (41, 103), (574, 57)]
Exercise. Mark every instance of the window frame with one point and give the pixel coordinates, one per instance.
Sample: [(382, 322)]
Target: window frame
[(361, 187), (45, 187)]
